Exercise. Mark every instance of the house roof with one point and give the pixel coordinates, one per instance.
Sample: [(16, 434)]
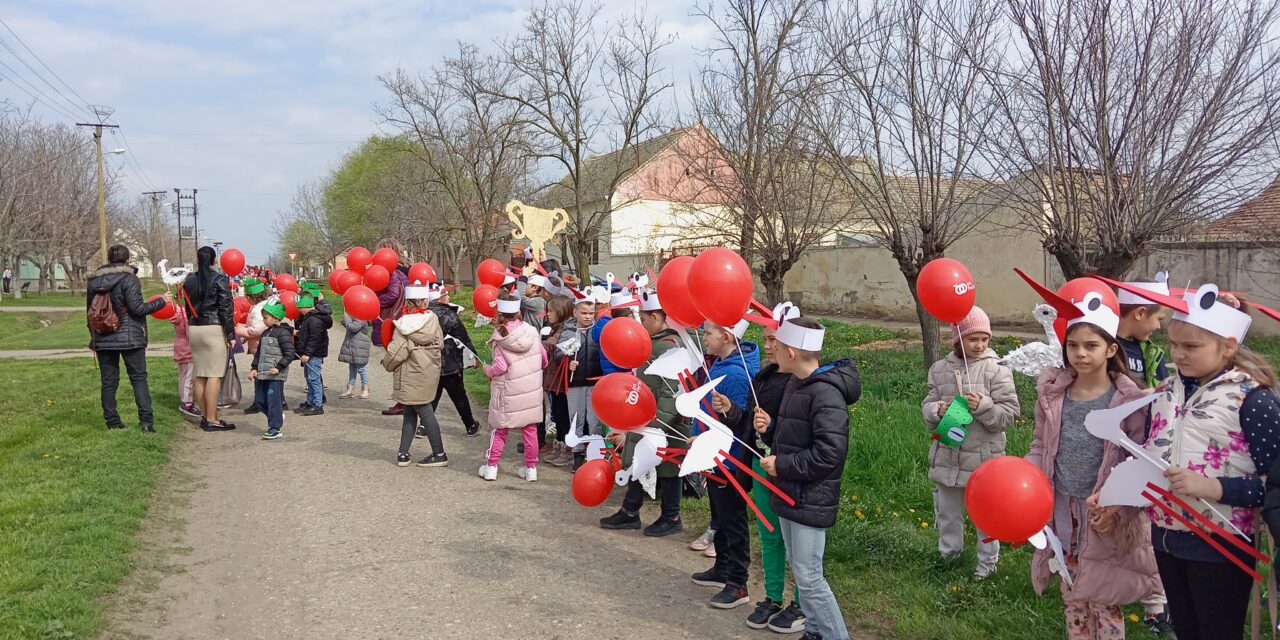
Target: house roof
[(1259, 216), (598, 172)]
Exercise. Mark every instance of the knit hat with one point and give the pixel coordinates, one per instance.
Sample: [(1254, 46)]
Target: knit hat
[(276, 309), (305, 301), (253, 286), (976, 322)]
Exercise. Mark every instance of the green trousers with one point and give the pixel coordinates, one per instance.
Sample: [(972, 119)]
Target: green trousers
[(773, 550)]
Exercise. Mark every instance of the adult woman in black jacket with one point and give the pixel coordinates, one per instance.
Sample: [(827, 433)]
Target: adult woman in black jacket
[(212, 332), (129, 341)]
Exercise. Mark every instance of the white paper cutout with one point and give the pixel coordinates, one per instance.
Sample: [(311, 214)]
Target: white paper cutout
[(1039, 540), (1032, 358), (1105, 424), (1127, 482), (1057, 564), (645, 458), (670, 364)]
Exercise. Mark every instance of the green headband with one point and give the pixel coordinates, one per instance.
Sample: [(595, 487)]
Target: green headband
[(275, 309), (254, 286), (306, 300)]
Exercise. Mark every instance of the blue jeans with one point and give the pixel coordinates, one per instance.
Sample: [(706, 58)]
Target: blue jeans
[(315, 383), (805, 547), (271, 394), (353, 369)]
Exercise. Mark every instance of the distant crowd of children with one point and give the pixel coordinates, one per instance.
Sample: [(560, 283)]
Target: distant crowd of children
[(1214, 423)]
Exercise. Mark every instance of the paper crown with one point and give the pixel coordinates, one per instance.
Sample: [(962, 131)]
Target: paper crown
[(798, 337), (740, 329), (623, 299), (417, 291), (509, 306), (253, 286), (275, 308), (1091, 309), (1196, 306), (1160, 286), (508, 280), (649, 300), (785, 311), (305, 301), (599, 295), (539, 280), (311, 288)]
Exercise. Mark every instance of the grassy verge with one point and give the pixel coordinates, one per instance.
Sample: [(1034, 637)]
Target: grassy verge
[(22, 330), (150, 287), (72, 493)]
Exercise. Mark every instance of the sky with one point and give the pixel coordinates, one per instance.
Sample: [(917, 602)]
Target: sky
[(247, 99)]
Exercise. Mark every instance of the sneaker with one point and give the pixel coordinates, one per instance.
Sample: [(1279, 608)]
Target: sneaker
[(303, 407), (364, 393), (147, 427), (420, 432), (251, 410), (489, 472), (311, 411), (620, 520), (272, 434), (579, 459), (710, 551), (664, 527), (121, 426), (789, 620), (565, 458), (704, 541), (349, 393), (983, 572), (810, 635), (394, 410), (1160, 624), (473, 430), (434, 460), (732, 595), (765, 609), (403, 460), (190, 410), (221, 425), (552, 453), (528, 473), (709, 578)]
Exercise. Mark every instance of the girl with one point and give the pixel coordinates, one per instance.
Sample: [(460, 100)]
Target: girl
[(1215, 422), (560, 325), (515, 396), (182, 356), (988, 387), (1106, 549), (414, 357), (355, 352)]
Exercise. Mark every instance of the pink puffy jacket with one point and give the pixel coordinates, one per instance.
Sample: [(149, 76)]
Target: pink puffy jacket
[(515, 392)]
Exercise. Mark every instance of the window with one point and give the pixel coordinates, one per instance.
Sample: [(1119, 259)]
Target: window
[(595, 250)]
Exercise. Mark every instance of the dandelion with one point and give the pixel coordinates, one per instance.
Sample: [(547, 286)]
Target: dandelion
[(895, 514), (859, 515), (911, 510), (1133, 617), (924, 525)]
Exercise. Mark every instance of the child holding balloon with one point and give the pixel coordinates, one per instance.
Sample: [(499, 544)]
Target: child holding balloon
[(515, 388), (972, 371)]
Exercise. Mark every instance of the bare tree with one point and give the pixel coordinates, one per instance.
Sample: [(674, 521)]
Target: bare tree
[(308, 229), (1136, 119), (150, 228), (905, 122), (586, 87)]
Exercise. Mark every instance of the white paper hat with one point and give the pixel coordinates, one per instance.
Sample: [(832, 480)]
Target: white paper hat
[(417, 291), (508, 280), (1160, 286), (1092, 309), (622, 299), (798, 337), (649, 300), (598, 295), (1204, 311), (539, 280), (785, 311), (508, 306), (740, 329)]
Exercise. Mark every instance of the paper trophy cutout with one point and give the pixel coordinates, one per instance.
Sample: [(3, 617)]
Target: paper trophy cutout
[(952, 429), (1128, 482)]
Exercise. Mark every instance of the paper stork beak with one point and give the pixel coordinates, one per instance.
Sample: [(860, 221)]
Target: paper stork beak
[(1064, 307), (765, 316), (1175, 303)]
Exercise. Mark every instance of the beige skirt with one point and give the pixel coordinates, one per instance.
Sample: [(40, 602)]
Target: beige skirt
[(208, 351)]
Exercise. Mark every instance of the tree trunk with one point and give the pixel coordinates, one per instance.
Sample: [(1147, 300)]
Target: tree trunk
[(929, 331), (582, 259), (773, 276)]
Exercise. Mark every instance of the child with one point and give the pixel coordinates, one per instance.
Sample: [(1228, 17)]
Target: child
[(737, 362), (414, 358), (555, 380), (584, 368), (182, 356), (355, 352), (988, 387), (1139, 318), (810, 440), (533, 306), (515, 397), (621, 305), (664, 339), (270, 366), (451, 365), (1106, 548), (313, 348), (769, 386)]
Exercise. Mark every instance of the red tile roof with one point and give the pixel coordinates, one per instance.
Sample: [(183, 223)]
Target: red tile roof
[(1259, 216)]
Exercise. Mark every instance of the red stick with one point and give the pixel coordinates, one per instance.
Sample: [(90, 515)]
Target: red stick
[(743, 492), (1203, 535), (1210, 524), (758, 478)]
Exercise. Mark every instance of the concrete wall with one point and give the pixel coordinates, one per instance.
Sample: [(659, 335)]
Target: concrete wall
[(1249, 267)]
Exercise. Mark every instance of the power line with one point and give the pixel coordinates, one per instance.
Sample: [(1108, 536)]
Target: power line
[(69, 101), (129, 157), (42, 63), (264, 143), (34, 92)]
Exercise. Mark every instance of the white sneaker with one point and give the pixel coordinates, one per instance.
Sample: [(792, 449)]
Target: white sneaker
[(528, 473), (489, 472)]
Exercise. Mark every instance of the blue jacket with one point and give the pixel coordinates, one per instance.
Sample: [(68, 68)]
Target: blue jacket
[(737, 387), (605, 366)]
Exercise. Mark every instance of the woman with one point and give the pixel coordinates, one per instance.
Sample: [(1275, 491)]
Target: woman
[(128, 342), (212, 334), (391, 301)]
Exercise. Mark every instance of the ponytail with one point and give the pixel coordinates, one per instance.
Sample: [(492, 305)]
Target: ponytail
[(1256, 366)]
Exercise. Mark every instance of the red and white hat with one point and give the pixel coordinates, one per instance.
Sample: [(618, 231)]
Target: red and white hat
[(623, 299), (798, 337), (1092, 309)]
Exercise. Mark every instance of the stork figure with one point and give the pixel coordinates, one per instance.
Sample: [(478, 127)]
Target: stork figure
[(1032, 358)]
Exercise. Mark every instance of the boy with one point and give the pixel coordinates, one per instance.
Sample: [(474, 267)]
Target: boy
[(1139, 318), (313, 348), (810, 440), (451, 367), (533, 304), (275, 353), (738, 362), (670, 484), (584, 368)]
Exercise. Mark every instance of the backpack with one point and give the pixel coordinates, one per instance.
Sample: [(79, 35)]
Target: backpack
[(102, 316)]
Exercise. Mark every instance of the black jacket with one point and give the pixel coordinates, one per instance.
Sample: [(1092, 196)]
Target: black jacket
[(313, 331), (126, 298), (810, 438), (451, 325), (769, 383), (213, 307), (588, 358)]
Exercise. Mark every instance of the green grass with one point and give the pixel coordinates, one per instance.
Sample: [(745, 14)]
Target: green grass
[(150, 287), (22, 330), (71, 493)]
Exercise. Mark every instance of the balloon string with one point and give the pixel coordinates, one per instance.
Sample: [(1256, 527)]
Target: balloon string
[(751, 382), (964, 355)]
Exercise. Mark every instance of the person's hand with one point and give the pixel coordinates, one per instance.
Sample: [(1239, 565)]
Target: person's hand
[(720, 403), (762, 420), (617, 438), (1102, 519), (573, 365), (168, 297), (304, 359), (1190, 483), (770, 465), (253, 374), (274, 371), (1229, 298), (942, 407), (231, 344), (973, 398)]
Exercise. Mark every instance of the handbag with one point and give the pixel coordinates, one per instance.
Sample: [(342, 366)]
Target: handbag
[(231, 393)]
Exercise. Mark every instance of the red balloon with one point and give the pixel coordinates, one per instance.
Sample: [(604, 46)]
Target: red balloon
[(1009, 499), (361, 302), (720, 286), (285, 282), (290, 301), (388, 327), (241, 305), (347, 280), (592, 483), (673, 292), (334, 277), (422, 272), (359, 259), (485, 299), (623, 402), (491, 272), (387, 259), (168, 311), (376, 277), (1075, 291), (946, 290), (626, 343), (232, 262)]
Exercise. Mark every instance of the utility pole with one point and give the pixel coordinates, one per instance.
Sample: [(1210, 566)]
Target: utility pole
[(102, 113), (155, 217), (194, 209)]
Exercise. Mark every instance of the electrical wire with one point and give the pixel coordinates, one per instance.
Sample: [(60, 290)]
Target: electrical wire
[(34, 92), (47, 68)]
